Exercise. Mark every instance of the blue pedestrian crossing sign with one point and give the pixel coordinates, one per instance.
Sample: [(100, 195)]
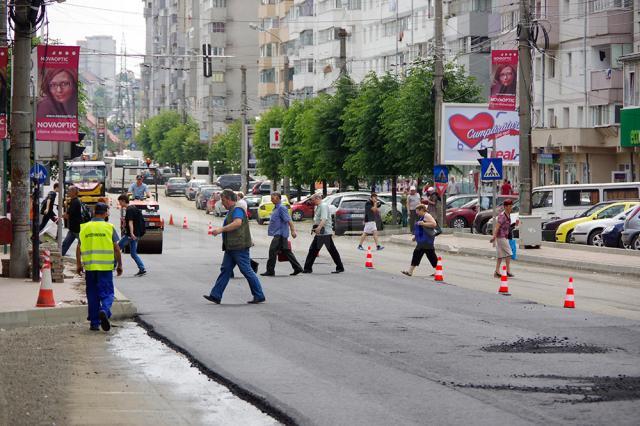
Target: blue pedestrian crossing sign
[(491, 168), (39, 173), (440, 174)]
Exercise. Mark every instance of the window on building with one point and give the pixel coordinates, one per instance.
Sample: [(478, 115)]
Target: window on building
[(551, 118), (568, 65), (218, 101), (217, 77), (600, 115), (223, 3), (581, 116), (566, 119), (632, 100), (306, 38), (268, 76), (269, 101), (217, 51), (269, 50), (303, 66), (327, 35), (216, 27), (551, 67), (616, 113)]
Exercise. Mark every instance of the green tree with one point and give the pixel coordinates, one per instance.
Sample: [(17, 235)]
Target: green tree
[(225, 149), (270, 161), (408, 117), (298, 162), (153, 131)]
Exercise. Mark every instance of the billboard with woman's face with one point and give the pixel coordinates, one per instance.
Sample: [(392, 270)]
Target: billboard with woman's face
[(504, 73), (4, 99), (57, 110)]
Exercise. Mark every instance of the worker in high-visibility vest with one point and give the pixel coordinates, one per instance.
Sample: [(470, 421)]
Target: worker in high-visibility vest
[(97, 253)]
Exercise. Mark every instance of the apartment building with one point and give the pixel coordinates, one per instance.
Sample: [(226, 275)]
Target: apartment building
[(382, 36), (97, 64), (578, 90), (195, 50)]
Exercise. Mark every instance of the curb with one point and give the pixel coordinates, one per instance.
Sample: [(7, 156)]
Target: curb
[(537, 260), (61, 315)]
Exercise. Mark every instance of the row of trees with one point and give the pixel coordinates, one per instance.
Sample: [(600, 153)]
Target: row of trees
[(379, 129)]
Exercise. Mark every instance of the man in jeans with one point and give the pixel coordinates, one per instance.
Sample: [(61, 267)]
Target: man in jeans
[(279, 224), (322, 235), (236, 241), (130, 232), (74, 219)]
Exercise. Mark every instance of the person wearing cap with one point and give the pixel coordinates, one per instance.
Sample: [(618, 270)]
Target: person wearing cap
[(96, 255), (139, 189), (431, 201), (131, 232), (413, 201), (501, 236), (371, 214)]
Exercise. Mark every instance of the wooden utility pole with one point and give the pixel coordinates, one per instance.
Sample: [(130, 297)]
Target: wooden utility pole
[(285, 103), (342, 34), (3, 150), (21, 117), (524, 92), (438, 76)]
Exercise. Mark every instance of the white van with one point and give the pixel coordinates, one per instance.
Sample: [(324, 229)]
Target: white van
[(200, 170), (563, 201)]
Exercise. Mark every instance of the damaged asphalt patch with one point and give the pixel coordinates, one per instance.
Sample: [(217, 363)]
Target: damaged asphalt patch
[(545, 345)]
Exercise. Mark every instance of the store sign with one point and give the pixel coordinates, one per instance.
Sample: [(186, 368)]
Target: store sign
[(467, 128), (630, 127), (547, 158)]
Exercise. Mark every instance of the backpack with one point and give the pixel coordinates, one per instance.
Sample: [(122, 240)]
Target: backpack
[(139, 227), (85, 213)]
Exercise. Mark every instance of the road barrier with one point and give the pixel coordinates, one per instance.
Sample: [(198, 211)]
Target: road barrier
[(569, 298), (504, 282), (45, 295)]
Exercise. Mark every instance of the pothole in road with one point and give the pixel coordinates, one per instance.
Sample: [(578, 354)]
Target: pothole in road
[(545, 345), (592, 389)]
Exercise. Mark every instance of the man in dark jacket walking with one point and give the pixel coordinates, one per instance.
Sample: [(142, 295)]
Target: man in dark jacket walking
[(49, 211), (279, 225), (236, 241)]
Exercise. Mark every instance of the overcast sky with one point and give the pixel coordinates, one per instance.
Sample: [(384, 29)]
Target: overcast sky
[(76, 19)]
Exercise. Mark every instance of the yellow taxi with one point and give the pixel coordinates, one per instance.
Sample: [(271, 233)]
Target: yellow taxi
[(564, 231), (266, 207)]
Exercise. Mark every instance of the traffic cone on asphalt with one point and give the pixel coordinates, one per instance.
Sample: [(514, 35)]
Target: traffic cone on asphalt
[(185, 225), (210, 230), (504, 284), (369, 262), (45, 296), (171, 220), (439, 274), (569, 298)]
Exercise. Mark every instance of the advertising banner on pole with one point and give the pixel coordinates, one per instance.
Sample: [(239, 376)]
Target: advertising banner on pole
[(4, 99), (467, 128), (504, 73), (57, 109)]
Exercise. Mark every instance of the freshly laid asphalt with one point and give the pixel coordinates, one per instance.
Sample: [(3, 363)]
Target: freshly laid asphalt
[(369, 347)]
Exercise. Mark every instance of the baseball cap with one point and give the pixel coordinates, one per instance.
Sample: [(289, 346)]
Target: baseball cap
[(101, 208)]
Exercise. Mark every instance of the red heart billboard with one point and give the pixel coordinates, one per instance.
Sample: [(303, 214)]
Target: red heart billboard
[(470, 131)]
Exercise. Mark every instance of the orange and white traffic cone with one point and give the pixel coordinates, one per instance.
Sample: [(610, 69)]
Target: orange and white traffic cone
[(504, 282), (45, 296), (569, 298), (171, 220), (369, 262), (185, 225), (439, 273), (210, 230)]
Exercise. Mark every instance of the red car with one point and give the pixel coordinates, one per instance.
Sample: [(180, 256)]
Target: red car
[(464, 216), (302, 209)]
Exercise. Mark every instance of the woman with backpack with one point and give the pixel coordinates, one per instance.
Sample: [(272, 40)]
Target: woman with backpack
[(424, 234), (132, 230)]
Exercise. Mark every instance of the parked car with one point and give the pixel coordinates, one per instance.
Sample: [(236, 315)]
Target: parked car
[(565, 231), (253, 203), (350, 215), (631, 230), (482, 222), (165, 173), (590, 232), (549, 229), (192, 188), (464, 216), (266, 207), (175, 185), (302, 209), (457, 201), (204, 193), (231, 181), (612, 236)]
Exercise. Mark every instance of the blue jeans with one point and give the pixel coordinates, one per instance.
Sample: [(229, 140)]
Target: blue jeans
[(133, 248), (229, 261), (99, 294), (68, 240)]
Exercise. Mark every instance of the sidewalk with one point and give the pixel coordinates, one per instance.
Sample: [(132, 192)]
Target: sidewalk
[(584, 258), (18, 298)]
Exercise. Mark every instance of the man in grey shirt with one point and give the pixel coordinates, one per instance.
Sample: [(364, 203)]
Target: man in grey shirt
[(413, 200), (322, 236)]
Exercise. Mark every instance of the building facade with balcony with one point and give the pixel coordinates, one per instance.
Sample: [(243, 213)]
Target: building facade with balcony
[(195, 51), (578, 90)]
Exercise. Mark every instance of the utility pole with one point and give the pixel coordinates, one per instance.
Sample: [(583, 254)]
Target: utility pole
[(21, 117), (438, 76), (342, 35), (3, 151), (285, 103), (524, 92), (244, 148)]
